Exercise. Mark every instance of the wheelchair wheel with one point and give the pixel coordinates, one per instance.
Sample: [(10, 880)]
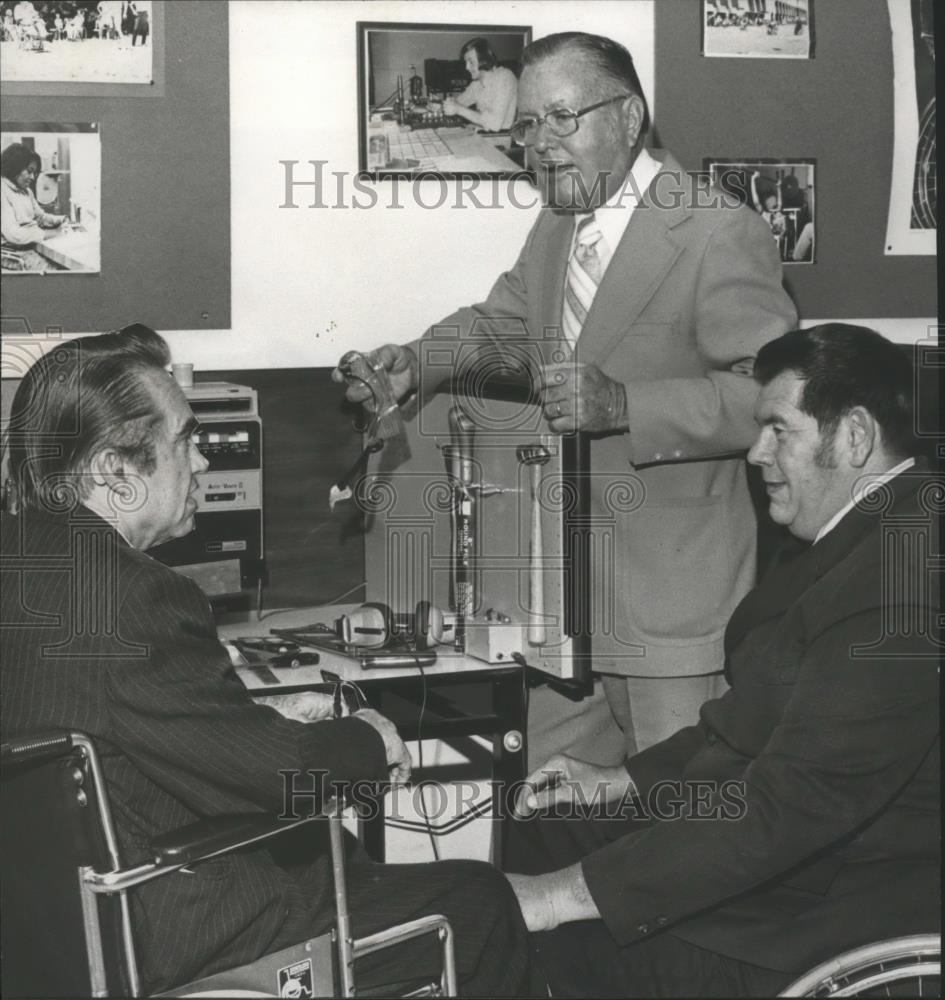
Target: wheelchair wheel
[(901, 967)]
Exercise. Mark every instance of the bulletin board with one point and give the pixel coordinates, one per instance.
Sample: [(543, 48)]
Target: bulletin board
[(835, 108), (165, 193)]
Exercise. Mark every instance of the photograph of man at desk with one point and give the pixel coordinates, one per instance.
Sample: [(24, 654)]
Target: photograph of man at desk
[(438, 98), (50, 194)]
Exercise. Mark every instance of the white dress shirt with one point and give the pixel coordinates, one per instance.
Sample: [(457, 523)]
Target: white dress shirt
[(614, 215), (862, 488)]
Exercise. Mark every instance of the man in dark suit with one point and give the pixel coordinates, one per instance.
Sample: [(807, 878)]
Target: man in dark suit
[(639, 300), (800, 816), (98, 636)]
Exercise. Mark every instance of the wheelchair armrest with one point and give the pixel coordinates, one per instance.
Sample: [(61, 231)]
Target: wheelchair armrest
[(27, 749), (216, 835)]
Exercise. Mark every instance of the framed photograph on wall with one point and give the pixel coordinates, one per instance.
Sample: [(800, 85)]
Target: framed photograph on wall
[(438, 99), (84, 48), (758, 29), (781, 192), (911, 221), (51, 188)]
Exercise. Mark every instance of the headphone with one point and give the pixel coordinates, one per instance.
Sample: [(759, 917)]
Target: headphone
[(373, 625)]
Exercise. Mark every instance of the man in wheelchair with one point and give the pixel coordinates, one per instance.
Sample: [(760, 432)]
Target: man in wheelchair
[(799, 817), (99, 637), (30, 26)]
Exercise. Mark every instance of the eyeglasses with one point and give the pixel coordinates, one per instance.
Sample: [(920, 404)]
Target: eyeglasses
[(560, 122)]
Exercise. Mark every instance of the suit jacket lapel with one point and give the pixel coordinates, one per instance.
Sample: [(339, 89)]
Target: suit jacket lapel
[(550, 299), (638, 266), (784, 585)]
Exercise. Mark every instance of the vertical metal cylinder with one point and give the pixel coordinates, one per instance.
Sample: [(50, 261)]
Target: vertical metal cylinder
[(460, 465)]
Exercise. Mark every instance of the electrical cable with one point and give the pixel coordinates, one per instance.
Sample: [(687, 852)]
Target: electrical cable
[(329, 603), (341, 597), (386, 100), (523, 663), (420, 788)]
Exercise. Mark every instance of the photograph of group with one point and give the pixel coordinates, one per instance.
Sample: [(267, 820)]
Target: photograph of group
[(438, 98), (782, 192), (51, 195), (77, 41), (757, 29)]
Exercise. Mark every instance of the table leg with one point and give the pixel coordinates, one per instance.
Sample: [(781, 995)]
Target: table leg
[(509, 753), (371, 827)]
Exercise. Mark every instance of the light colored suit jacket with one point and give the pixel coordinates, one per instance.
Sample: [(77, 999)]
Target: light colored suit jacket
[(691, 293)]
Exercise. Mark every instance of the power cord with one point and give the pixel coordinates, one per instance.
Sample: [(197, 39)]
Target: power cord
[(347, 593), (423, 805), (329, 603)]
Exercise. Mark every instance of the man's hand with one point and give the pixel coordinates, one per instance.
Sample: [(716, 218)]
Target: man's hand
[(305, 706), (580, 397), (569, 780), (402, 366), (534, 899), (556, 898), (398, 757)]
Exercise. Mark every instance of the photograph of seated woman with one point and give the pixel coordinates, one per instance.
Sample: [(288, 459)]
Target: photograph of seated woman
[(23, 223), (490, 100)]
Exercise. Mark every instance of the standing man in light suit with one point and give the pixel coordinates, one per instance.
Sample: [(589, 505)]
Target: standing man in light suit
[(659, 295)]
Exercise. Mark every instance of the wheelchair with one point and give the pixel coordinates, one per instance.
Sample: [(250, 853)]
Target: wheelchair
[(904, 967), (59, 845), (31, 37)]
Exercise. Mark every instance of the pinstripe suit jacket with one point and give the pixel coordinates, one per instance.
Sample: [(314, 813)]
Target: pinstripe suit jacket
[(100, 637)]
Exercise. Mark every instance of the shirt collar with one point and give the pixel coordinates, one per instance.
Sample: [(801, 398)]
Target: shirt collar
[(862, 488), (613, 216), (109, 516)]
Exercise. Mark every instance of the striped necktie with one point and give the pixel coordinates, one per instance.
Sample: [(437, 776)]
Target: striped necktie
[(585, 269)]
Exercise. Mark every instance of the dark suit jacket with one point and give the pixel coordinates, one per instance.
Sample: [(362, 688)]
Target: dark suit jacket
[(100, 637), (832, 723), (692, 291)]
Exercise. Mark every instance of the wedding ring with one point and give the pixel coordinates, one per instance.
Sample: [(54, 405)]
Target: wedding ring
[(558, 409)]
